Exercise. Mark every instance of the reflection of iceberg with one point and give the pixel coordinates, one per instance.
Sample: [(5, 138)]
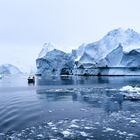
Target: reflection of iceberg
[(94, 98), (131, 93)]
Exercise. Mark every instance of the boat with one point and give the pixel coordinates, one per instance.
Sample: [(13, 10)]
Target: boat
[(31, 80)]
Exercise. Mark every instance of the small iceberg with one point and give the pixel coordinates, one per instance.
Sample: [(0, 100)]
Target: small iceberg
[(1, 76), (131, 93), (131, 89)]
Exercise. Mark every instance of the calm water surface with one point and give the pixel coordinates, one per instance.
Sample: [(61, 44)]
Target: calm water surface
[(68, 108)]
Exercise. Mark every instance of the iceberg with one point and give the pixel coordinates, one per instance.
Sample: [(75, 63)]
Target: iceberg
[(55, 62), (9, 69), (117, 53)]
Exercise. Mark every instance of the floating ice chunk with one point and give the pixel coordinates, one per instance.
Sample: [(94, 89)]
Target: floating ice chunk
[(54, 128), (132, 135), (40, 136), (74, 126), (131, 93), (66, 133), (133, 116), (50, 111), (58, 90), (121, 133), (130, 89), (97, 123), (84, 134), (19, 135), (82, 109), (2, 134), (74, 121), (88, 127), (50, 124), (108, 129), (133, 121)]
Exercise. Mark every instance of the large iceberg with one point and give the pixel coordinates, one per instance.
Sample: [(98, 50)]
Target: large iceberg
[(9, 69), (117, 53)]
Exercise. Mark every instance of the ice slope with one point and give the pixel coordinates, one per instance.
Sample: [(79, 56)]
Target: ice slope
[(9, 69), (131, 59), (114, 58)]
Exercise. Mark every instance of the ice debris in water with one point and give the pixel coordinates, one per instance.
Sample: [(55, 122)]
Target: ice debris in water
[(40, 136), (131, 93), (130, 89), (88, 128), (121, 133), (108, 129), (74, 120), (84, 134), (74, 126), (50, 124), (66, 133), (133, 121)]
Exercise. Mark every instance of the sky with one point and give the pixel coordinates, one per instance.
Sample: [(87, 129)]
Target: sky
[(25, 25)]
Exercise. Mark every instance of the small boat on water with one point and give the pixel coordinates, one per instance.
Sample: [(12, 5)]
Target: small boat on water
[(31, 80)]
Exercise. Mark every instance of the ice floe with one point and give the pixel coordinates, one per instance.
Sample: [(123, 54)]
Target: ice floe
[(133, 121), (130, 89), (108, 130), (84, 134), (66, 133), (130, 93)]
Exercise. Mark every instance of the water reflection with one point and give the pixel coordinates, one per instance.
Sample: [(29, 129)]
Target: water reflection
[(89, 80), (92, 98)]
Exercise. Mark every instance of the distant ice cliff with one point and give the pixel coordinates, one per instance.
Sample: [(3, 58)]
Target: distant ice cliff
[(9, 69)]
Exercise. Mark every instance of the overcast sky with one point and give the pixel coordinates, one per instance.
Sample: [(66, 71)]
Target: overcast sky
[(25, 25)]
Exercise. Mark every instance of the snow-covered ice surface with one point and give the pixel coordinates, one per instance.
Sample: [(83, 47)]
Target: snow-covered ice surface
[(71, 109)]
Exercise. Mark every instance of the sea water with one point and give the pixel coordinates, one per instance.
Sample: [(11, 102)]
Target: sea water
[(68, 107)]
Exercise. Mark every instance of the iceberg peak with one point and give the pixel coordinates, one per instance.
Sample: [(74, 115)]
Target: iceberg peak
[(125, 37), (116, 32), (47, 47)]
